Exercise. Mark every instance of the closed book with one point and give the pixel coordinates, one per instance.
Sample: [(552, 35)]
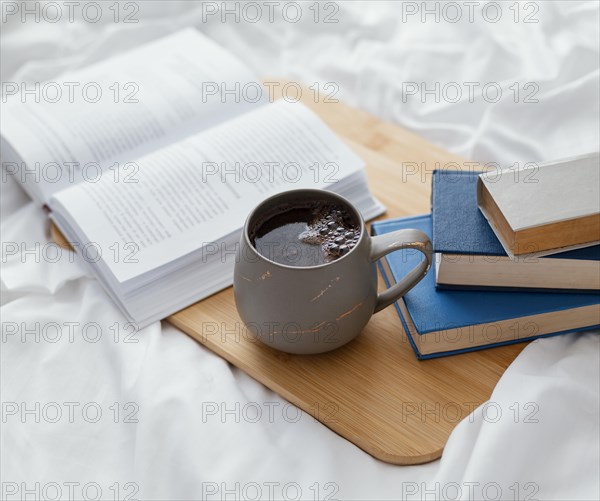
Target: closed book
[(469, 255), (447, 322), (544, 209)]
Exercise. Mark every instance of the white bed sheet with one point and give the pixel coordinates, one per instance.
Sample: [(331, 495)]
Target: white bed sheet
[(537, 438)]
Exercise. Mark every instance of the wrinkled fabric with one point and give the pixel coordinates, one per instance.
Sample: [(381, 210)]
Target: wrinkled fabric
[(90, 404)]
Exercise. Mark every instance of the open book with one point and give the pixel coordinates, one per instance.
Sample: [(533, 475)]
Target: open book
[(152, 182)]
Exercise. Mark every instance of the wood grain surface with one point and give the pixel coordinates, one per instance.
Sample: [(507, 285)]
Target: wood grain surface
[(373, 391)]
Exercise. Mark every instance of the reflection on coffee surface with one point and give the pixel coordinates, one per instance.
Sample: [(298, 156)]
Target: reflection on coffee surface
[(306, 236)]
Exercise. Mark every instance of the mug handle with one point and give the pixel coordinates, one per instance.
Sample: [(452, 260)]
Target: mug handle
[(396, 240)]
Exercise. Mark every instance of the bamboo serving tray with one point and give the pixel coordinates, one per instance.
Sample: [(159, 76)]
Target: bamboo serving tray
[(373, 391)]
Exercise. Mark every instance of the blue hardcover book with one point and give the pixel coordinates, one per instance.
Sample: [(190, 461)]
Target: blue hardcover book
[(446, 322), (469, 255)]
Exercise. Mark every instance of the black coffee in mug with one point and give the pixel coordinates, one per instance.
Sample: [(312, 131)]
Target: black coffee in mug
[(306, 236), (327, 293)]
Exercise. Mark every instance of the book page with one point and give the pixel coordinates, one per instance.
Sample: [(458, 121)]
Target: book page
[(110, 113), (528, 197), (201, 189)]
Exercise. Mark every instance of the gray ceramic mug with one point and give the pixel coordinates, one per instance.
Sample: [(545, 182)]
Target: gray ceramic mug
[(315, 309)]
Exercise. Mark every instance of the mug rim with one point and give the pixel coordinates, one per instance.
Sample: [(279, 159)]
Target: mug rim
[(308, 191)]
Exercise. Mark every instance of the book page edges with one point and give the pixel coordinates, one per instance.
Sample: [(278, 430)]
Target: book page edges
[(490, 334), (509, 330), (464, 271), (577, 178), (504, 243), (496, 230)]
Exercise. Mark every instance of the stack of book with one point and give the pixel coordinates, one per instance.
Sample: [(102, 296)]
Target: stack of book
[(516, 257)]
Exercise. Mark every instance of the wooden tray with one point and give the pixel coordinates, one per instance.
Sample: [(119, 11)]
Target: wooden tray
[(373, 391)]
